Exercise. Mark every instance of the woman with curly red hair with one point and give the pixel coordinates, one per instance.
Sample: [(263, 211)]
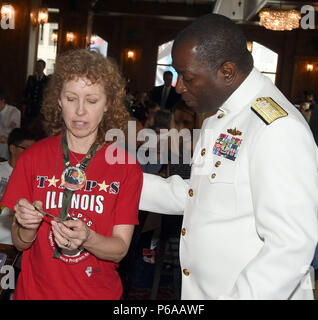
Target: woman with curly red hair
[(74, 211)]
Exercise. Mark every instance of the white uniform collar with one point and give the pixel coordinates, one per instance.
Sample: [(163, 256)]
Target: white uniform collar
[(245, 93)]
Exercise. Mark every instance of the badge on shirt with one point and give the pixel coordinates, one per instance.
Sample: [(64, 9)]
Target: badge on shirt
[(227, 146), (234, 132), (73, 178)]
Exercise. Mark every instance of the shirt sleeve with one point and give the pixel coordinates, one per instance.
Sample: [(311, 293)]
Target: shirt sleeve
[(20, 182), (161, 195), (15, 121), (284, 185), (129, 195)]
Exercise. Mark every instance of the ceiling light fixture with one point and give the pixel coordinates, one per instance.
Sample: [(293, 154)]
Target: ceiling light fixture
[(279, 19)]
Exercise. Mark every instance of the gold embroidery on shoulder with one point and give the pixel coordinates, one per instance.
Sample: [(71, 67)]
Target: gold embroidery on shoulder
[(268, 110)]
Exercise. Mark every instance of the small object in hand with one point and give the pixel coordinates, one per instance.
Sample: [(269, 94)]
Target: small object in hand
[(68, 244), (48, 214)]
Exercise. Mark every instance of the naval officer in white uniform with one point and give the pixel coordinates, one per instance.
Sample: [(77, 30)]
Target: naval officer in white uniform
[(250, 207)]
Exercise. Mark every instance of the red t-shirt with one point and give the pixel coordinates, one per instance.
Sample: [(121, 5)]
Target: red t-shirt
[(110, 197)]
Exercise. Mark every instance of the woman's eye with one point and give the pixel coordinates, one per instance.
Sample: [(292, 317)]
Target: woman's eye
[(70, 99), (92, 101), (187, 79)]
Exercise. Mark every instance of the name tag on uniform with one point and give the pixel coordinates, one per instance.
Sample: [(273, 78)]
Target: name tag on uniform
[(227, 146)]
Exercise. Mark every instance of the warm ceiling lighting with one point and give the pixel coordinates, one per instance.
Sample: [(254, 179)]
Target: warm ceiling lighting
[(70, 37), (33, 17), (310, 67), (93, 39), (40, 17), (130, 54), (43, 16), (279, 19), (54, 36)]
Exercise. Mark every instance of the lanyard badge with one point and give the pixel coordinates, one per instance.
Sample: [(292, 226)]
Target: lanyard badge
[(73, 178)]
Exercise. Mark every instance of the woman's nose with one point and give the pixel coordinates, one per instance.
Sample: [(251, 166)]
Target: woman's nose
[(80, 107)]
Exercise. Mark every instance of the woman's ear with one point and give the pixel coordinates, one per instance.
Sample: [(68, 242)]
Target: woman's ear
[(60, 103)]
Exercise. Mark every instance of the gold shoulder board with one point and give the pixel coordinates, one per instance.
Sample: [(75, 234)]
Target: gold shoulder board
[(268, 110)]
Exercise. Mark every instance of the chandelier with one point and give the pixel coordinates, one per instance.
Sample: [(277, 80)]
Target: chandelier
[(279, 19)]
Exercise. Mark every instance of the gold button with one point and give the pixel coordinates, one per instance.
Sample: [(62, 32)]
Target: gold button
[(220, 115), (183, 231), (191, 193), (218, 163), (186, 272), (213, 176), (203, 152)]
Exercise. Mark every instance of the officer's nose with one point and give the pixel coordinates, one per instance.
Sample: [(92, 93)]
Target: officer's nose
[(180, 88)]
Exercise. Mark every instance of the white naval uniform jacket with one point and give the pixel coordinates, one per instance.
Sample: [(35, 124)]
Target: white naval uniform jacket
[(250, 224)]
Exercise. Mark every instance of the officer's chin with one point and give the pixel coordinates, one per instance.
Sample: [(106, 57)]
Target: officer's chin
[(191, 103)]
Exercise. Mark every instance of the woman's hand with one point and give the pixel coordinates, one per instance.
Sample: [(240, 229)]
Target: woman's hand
[(70, 234), (26, 214), (74, 235)]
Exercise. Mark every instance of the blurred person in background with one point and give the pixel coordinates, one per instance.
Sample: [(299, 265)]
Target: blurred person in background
[(165, 95), (18, 141), (10, 118), (34, 91)]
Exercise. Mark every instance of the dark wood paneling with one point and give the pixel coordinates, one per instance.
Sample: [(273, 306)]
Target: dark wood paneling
[(139, 8), (14, 53), (141, 34), (303, 79), (73, 17)]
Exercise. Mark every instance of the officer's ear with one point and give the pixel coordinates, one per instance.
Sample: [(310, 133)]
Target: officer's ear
[(228, 73)]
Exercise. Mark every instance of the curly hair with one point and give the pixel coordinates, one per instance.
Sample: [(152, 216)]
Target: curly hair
[(82, 63)]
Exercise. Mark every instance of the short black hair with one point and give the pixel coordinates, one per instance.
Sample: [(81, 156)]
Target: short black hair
[(42, 61), (167, 72), (19, 135), (219, 40)]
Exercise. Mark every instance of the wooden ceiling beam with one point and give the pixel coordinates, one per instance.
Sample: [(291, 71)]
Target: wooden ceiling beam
[(145, 8)]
